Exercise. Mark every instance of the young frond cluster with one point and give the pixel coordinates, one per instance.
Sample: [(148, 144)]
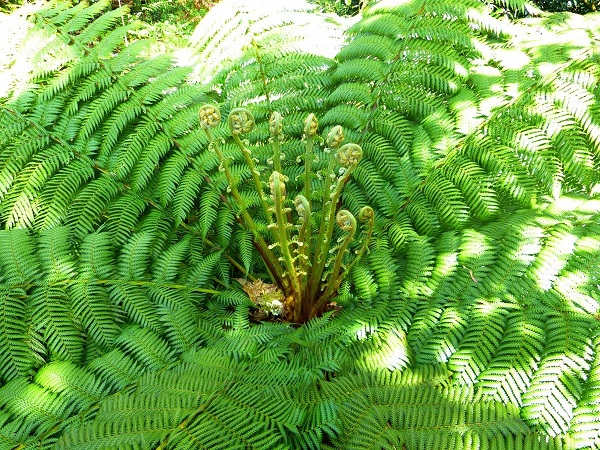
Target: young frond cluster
[(307, 267), (452, 275)]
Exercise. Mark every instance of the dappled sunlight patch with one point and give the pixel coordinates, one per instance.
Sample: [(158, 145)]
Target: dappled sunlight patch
[(381, 349), (14, 29)]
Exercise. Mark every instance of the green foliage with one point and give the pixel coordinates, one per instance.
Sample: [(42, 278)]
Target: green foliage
[(578, 6), (168, 23), (341, 7), (472, 320)]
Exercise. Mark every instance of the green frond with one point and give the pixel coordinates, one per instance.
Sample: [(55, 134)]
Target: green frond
[(396, 413), (79, 386), (509, 373), (504, 167), (558, 379), (55, 254), (584, 424), (136, 256), (95, 254), (243, 240), (447, 334), (480, 341), (474, 186), (200, 272), (21, 210), (134, 301), (123, 215), (422, 214), (364, 282), (16, 357), (181, 326), (116, 369), (19, 264), (89, 203), (53, 318), (96, 313), (42, 408), (224, 225), (146, 347), (59, 192), (167, 268)]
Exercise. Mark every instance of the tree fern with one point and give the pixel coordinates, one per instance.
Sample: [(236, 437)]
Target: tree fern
[(470, 321)]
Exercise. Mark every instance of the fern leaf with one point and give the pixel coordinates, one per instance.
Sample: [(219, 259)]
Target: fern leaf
[(19, 263), (116, 369), (96, 313), (123, 215), (145, 346), (557, 385), (134, 301), (53, 319), (209, 203), (89, 203), (58, 193), (188, 190), (80, 387), (479, 343), (136, 256), (510, 371), (54, 252), (16, 358)]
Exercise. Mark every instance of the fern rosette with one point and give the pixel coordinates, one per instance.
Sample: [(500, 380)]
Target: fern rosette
[(471, 321)]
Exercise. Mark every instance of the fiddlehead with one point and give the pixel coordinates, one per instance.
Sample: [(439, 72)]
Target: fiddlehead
[(241, 121), (209, 116)]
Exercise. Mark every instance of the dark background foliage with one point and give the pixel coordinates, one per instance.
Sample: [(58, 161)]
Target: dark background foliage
[(192, 10)]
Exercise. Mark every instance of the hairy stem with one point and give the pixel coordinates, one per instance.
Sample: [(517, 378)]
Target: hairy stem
[(282, 239), (268, 255), (255, 176)]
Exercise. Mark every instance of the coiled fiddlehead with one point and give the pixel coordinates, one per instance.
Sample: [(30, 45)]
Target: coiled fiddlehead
[(209, 116)]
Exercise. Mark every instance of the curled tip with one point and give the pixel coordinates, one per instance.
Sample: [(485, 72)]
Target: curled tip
[(241, 121), (275, 124), (335, 137), (209, 116), (345, 220), (366, 214), (302, 206), (349, 155), (310, 125)]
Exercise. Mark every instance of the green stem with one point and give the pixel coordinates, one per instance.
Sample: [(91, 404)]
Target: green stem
[(326, 232), (268, 255), (308, 158), (275, 128), (321, 246), (304, 237), (346, 221), (282, 239), (367, 216), (255, 176)]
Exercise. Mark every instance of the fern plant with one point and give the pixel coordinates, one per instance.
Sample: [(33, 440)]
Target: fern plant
[(471, 322)]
